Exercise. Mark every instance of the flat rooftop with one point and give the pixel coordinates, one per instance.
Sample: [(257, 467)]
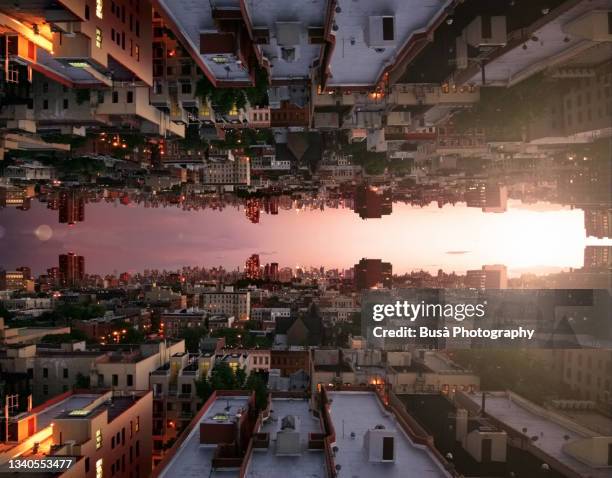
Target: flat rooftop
[(359, 412), (353, 61), (265, 463), (267, 13), (193, 17), (515, 62), (551, 435), (193, 460), (72, 402)]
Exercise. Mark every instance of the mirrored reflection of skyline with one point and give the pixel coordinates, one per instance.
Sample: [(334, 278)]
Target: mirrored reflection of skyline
[(120, 235)]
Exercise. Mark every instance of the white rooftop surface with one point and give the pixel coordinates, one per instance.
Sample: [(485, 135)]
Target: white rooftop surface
[(193, 17), (73, 402), (193, 460), (311, 464), (539, 54), (550, 434), (353, 62), (361, 411), (265, 14)]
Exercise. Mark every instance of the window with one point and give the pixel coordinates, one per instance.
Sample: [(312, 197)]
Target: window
[(86, 12), (87, 465), (137, 424), (112, 442), (98, 440), (137, 52), (130, 99), (99, 468), (65, 373), (45, 370), (45, 389), (65, 104), (115, 376), (45, 107), (112, 34), (99, 8), (45, 87), (137, 448), (186, 388), (130, 377), (115, 100), (137, 28), (98, 37), (186, 88)]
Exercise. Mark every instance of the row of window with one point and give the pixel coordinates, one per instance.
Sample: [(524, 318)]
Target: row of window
[(118, 465), (119, 437)]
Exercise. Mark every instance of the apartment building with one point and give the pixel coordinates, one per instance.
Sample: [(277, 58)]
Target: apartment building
[(108, 433), (233, 303), (51, 371)]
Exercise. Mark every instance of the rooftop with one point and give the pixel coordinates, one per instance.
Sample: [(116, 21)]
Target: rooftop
[(72, 402), (265, 463), (359, 412), (551, 433), (193, 460), (278, 17), (354, 61), (514, 63)]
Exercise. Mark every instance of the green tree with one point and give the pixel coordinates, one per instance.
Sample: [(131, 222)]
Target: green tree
[(82, 382), (256, 383), (204, 388)]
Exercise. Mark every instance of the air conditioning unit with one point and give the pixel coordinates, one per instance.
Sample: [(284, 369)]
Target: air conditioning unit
[(486, 31), (594, 25), (261, 36), (380, 32)]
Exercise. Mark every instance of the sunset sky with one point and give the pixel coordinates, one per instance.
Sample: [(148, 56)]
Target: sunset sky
[(538, 238)]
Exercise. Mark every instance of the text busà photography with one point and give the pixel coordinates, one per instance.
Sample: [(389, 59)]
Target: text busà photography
[(309, 239)]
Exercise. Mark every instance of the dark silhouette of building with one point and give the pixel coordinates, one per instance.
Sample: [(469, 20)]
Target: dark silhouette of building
[(372, 202), (71, 269), (372, 273)]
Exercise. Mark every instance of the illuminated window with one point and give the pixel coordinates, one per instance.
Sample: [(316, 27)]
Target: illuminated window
[(98, 38), (99, 6), (137, 424), (98, 439), (99, 468)]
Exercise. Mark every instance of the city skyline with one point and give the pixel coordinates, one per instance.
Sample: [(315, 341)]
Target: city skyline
[(552, 238)]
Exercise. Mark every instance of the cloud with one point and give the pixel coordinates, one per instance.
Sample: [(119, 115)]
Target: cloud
[(457, 253)]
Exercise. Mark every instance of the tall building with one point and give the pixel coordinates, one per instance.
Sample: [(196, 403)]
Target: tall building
[(71, 207), (71, 269), (252, 210), (598, 257), (372, 274), (489, 277), (598, 222), (372, 202), (13, 280), (108, 434), (490, 197), (252, 268)]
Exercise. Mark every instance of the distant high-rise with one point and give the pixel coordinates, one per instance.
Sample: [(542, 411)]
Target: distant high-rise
[(252, 210), (372, 274), (598, 222), (71, 207), (71, 269), (597, 257), (252, 269), (489, 277), (371, 202), (490, 197)]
